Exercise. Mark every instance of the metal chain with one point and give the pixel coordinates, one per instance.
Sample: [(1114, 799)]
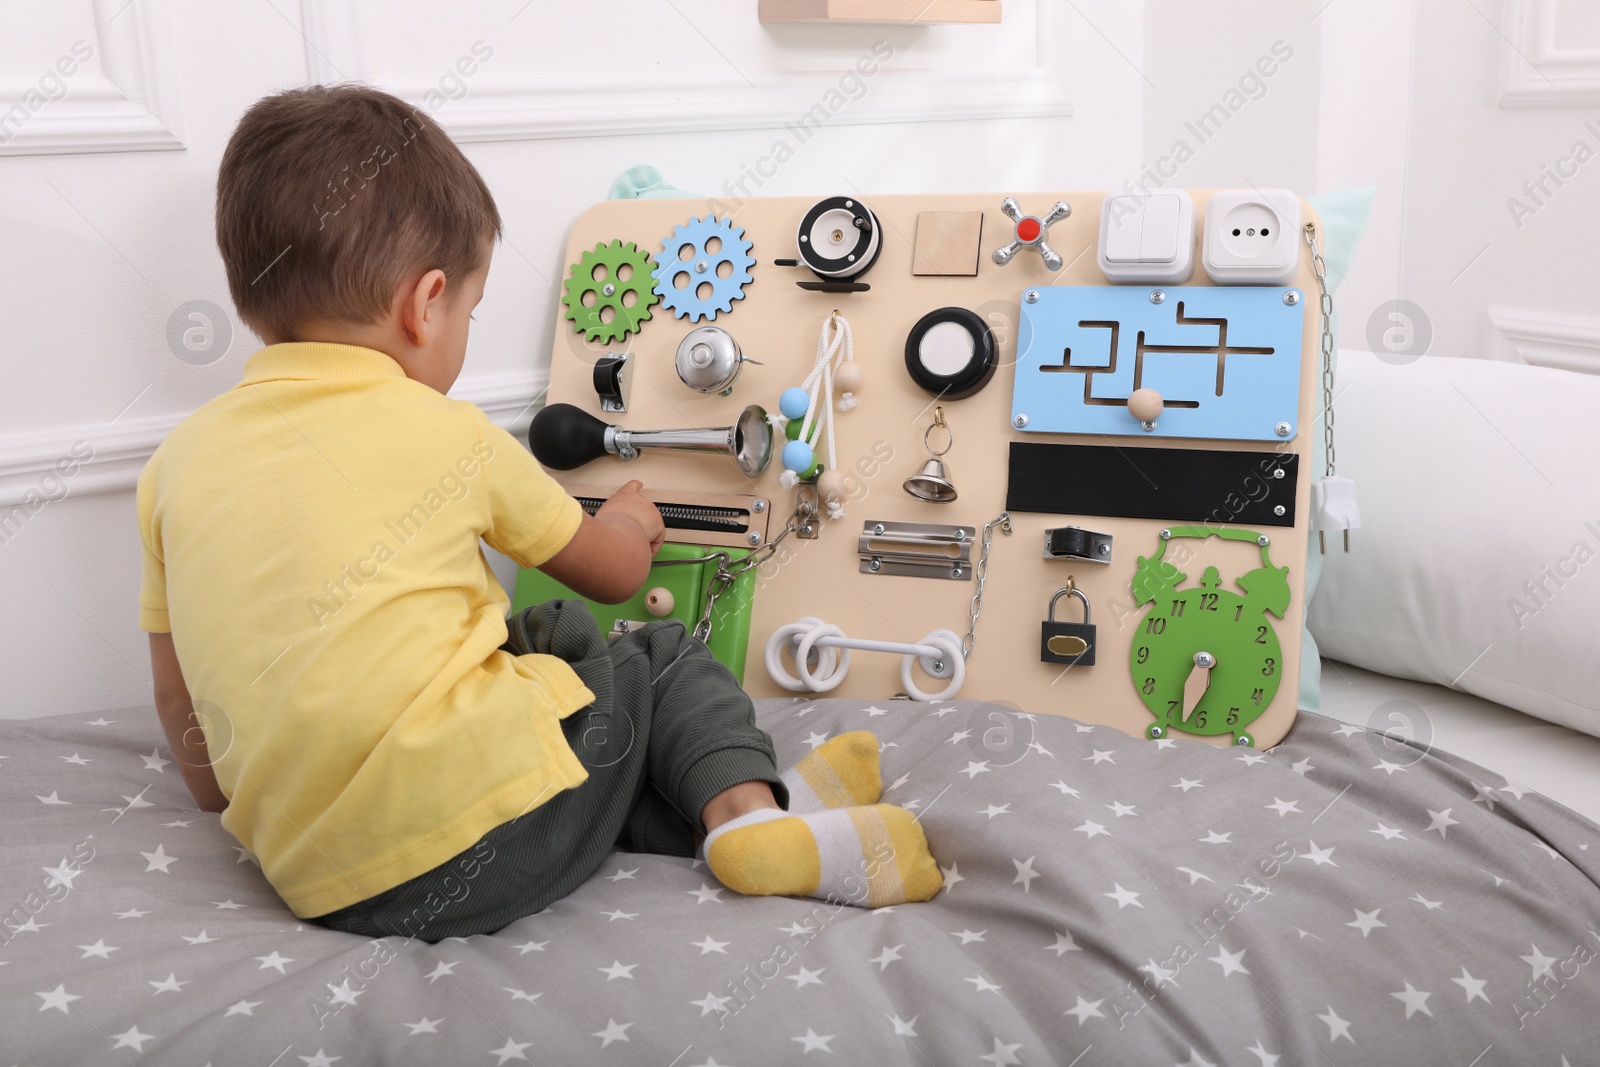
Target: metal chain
[(729, 571), (1003, 520), (1321, 269)]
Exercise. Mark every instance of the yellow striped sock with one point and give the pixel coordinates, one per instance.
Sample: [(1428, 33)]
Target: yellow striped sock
[(871, 856), (840, 773)]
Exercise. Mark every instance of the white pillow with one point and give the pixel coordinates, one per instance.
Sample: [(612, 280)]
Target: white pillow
[(1477, 564)]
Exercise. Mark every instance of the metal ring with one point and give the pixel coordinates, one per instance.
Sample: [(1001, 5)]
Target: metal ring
[(928, 433)]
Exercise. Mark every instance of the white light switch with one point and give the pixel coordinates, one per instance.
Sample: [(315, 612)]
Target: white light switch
[(1147, 237)]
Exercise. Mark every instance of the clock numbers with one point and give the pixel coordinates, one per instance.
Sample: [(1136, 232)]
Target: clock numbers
[(1261, 635), (1237, 612), (1148, 687), (1255, 697), (1270, 668), (1143, 655), (1208, 602), (1177, 609), (1155, 626), (1199, 719), (1233, 716)]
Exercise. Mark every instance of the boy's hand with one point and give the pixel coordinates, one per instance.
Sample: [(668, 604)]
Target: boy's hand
[(627, 505)]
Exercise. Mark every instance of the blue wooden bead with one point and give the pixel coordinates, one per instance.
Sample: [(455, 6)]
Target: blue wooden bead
[(797, 456), (793, 403)]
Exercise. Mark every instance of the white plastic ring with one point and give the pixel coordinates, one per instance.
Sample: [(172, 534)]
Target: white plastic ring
[(786, 637), (832, 676), (951, 646)]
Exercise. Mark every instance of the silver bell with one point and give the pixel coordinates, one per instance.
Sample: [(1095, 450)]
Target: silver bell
[(931, 483)]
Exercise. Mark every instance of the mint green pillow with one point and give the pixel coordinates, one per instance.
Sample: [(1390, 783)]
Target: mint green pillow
[(1344, 215)]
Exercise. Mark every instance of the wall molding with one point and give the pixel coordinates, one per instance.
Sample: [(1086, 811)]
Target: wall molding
[(121, 449), (336, 35), (1534, 70), (134, 108), (1545, 339)]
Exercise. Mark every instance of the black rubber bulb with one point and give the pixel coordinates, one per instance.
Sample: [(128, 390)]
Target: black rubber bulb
[(564, 437)]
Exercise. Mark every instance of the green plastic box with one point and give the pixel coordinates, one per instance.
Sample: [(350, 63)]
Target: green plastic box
[(688, 584)]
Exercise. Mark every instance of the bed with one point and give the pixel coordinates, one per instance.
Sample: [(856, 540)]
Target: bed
[(1343, 898)]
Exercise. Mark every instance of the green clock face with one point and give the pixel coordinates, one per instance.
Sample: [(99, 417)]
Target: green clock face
[(1206, 660)]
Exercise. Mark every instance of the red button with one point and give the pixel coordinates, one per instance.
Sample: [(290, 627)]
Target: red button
[(1028, 230)]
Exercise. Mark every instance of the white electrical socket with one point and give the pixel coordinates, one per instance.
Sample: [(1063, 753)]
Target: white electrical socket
[(1252, 237), (1147, 236)]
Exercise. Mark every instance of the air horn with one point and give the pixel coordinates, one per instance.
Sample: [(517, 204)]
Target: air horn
[(564, 437)]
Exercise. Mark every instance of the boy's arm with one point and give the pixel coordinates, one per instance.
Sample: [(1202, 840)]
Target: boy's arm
[(608, 559), (184, 735)]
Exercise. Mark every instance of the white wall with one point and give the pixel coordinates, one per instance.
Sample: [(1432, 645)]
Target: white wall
[(106, 197)]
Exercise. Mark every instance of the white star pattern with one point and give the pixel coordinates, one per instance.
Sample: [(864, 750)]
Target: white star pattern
[(511, 1050), (1025, 872), (887, 956), (618, 969), (981, 984), (710, 944), (274, 961), (1284, 807), (1066, 790), (1302, 767), (1540, 963), (1473, 987), (1414, 999), (710, 1003), (1441, 822), (816, 740), (1319, 856), (203, 938), (169, 984), (1187, 784), (531, 946), (1268, 1059), (1388, 767), (1122, 896), (57, 999), (904, 1027), (423, 1025), (1431, 905), (1214, 838), (154, 762), (1101, 756), (1092, 829), (811, 1041), (1063, 945), (1162, 976), (613, 1032), (1119, 809), (131, 1038), (622, 875), (1389, 833), (1196, 1060), (996, 809), (973, 769), (803, 977), (1085, 1010), (1367, 921), (522, 994), (242, 1007), (951, 877), (706, 894), (1194, 875), (441, 971), (1337, 1027), (158, 860), (1004, 1055), (968, 936), (1230, 962), (99, 948), (131, 913)]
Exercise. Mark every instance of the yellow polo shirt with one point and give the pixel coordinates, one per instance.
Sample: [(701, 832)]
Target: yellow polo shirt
[(311, 542)]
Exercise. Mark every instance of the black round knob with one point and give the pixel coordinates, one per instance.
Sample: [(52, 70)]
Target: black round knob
[(564, 437)]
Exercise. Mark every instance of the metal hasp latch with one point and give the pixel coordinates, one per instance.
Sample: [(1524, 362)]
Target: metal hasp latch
[(1072, 542), (916, 549)]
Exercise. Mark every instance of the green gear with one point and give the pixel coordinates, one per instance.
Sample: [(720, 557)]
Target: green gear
[(590, 291)]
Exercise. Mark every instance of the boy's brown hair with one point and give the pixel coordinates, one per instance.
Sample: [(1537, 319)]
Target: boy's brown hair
[(330, 198)]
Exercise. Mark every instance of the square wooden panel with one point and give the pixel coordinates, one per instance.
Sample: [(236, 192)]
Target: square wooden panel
[(949, 244)]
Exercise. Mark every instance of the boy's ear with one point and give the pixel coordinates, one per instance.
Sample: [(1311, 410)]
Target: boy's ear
[(418, 306)]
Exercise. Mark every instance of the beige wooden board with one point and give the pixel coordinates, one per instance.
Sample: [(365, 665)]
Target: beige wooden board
[(921, 11), (880, 444)]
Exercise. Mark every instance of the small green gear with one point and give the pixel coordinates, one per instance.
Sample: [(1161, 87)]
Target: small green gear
[(598, 292)]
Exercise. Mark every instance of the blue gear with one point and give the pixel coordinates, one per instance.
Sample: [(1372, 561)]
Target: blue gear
[(701, 268)]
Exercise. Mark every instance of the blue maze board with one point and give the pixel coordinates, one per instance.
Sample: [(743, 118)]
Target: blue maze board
[(1226, 360)]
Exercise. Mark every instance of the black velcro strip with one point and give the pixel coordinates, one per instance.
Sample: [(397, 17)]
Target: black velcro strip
[(1170, 484)]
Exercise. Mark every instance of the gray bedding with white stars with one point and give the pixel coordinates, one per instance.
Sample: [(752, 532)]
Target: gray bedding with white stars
[(1336, 900)]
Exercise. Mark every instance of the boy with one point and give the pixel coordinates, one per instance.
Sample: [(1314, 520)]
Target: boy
[(398, 758)]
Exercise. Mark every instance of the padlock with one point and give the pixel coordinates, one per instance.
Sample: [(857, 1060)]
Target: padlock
[(1070, 644)]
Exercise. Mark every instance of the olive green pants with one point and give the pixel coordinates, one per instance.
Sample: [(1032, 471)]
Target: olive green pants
[(669, 729)]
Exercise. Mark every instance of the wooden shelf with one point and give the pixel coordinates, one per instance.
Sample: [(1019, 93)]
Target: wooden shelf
[(899, 11)]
